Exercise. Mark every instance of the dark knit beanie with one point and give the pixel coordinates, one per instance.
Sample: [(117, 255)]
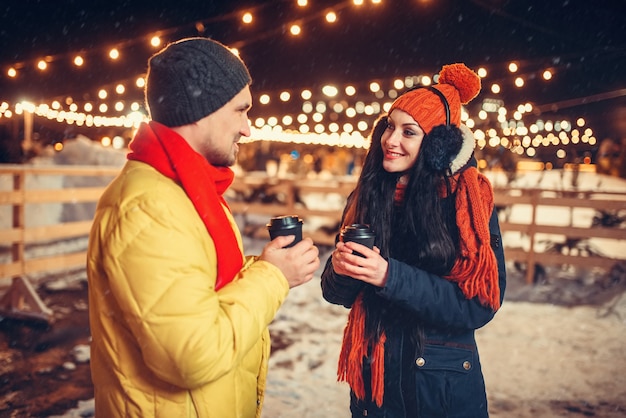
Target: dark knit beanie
[(192, 78)]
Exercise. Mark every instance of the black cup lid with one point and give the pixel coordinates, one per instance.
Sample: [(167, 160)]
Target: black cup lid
[(357, 231), (285, 221)]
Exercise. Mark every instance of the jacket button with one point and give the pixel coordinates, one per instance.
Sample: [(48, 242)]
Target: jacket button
[(420, 361), (467, 365)]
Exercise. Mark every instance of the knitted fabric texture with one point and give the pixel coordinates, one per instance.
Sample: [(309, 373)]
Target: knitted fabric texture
[(354, 350), (192, 78), (398, 196), (476, 268), (204, 184), (458, 84)]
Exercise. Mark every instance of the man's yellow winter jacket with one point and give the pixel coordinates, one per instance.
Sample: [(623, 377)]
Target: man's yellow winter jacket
[(164, 342)]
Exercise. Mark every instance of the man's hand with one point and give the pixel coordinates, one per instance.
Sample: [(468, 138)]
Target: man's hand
[(297, 263)]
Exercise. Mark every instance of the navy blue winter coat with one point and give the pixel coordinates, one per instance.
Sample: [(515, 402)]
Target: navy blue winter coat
[(445, 378)]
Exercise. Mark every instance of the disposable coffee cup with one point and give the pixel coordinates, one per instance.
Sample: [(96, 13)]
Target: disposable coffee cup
[(358, 233), (286, 225)]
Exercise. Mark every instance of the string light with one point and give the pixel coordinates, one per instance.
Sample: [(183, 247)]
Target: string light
[(155, 41), (295, 29), (247, 18), (330, 91), (518, 138)]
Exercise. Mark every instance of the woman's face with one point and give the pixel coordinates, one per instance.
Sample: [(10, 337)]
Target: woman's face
[(401, 142)]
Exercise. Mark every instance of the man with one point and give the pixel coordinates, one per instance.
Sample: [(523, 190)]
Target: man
[(178, 315)]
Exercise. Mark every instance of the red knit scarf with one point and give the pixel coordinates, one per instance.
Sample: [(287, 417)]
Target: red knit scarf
[(204, 184), (475, 271)]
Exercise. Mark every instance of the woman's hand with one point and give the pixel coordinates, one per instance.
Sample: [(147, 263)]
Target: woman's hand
[(371, 268)]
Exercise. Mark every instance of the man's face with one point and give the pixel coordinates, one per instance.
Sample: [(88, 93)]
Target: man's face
[(219, 132)]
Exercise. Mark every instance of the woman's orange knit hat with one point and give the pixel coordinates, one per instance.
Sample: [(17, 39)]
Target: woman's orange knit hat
[(458, 84)]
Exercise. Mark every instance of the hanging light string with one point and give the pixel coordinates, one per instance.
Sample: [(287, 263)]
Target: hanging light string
[(357, 109)]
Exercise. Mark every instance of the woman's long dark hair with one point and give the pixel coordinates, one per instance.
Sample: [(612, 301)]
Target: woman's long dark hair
[(421, 219), (417, 231)]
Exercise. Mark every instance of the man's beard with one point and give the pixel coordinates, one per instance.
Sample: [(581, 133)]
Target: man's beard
[(221, 159)]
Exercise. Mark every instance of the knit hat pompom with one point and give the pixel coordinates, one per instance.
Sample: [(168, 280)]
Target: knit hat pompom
[(440, 147), (463, 79)]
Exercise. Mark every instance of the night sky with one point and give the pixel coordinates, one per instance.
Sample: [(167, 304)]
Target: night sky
[(583, 41)]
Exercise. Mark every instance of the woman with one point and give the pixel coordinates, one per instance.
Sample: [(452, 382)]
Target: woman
[(436, 273)]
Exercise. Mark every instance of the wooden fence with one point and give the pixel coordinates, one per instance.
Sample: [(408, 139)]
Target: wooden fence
[(567, 242), (263, 196)]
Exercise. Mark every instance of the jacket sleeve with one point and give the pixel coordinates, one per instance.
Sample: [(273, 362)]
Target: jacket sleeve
[(336, 288), (439, 302), (161, 265), (339, 289)]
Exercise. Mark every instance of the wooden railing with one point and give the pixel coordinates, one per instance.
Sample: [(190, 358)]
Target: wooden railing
[(566, 242), (19, 235), (263, 196)]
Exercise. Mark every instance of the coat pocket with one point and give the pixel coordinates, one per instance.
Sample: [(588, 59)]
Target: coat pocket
[(446, 358), (449, 383)]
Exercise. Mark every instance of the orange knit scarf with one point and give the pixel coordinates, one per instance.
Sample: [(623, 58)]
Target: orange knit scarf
[(475, 271), (476, 268), (204, 184)]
